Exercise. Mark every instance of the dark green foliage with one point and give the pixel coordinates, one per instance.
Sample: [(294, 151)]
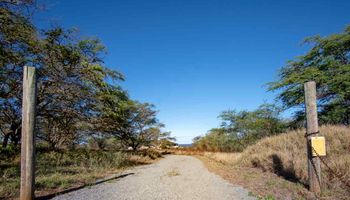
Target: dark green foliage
[(327, 63), (18, 41), (9, 152), (218, 139), (70, 100), (78, 96), (262, 122), (240, 129), (129, 121)]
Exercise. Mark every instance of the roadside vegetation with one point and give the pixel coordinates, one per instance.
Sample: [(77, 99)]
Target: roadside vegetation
[(240, 129), (85, 120), (57, 171), (262, 139), (284, 155)]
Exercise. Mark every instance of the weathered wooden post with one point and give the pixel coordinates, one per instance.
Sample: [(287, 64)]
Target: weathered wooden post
[(28, 125), (314, 167)]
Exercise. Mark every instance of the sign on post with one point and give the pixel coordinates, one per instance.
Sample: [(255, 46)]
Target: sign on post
[(318, 145)]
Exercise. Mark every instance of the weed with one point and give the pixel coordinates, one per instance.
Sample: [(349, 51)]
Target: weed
[(173, 172), (269, 197)]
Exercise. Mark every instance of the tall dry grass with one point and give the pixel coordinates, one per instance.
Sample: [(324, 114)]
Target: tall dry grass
[(285, 155), (223, 157)]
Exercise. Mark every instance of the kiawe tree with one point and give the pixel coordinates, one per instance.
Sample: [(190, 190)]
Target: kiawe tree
[(328, 64), (72, 78), (242, 128), (78, 96), (262, 122), (18, 45), (159, 138), (131, 122)]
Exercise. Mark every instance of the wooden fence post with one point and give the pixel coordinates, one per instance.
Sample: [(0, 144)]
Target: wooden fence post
[(314, 167), (28, 125)]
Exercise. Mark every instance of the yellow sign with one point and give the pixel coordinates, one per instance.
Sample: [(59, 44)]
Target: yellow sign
[(318, 145)]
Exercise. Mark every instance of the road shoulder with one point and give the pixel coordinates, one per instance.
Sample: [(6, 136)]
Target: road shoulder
[(263, 185)]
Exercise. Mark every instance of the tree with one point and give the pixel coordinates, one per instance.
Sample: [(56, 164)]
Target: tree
[(78, 96), (262, 122), (327, 63), (243, 128), (160, 138), (141, 118), (130, 121), (18, 41), (71, 79)]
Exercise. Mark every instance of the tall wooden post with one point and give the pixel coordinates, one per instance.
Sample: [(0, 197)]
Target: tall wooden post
[(28, 125), (314, 167)]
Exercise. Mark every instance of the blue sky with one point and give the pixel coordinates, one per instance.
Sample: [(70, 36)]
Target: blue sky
[(194, 59)]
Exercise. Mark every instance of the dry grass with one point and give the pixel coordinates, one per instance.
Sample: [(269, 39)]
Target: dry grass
[(225, 158), (173, 172), (285, 156), (186, 151), (262, 185), (58, 171)]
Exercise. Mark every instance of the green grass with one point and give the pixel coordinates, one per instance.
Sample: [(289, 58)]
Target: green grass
[(269, 197)]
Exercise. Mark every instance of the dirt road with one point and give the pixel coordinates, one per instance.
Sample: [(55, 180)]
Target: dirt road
[(174, 177)]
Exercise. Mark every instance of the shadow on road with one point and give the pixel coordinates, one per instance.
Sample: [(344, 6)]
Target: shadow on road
[(50, 196)]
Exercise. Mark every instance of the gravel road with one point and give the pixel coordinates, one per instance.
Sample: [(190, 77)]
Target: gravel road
[(174, 177)]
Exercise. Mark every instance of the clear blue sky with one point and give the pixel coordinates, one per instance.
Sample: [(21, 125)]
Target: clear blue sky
[(194, 59)]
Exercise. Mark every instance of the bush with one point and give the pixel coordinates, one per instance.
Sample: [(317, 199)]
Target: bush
[(9, 152), (83, 158)]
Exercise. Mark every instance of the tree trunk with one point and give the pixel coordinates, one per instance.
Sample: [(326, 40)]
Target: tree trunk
[(135, 145), (6, 140), (16, 135)]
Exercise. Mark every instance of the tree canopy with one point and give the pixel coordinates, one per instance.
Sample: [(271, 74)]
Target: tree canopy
[(78, 96), (242, 128), (328, 64)]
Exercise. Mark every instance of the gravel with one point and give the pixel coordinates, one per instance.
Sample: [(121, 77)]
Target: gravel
[(174, 177)]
